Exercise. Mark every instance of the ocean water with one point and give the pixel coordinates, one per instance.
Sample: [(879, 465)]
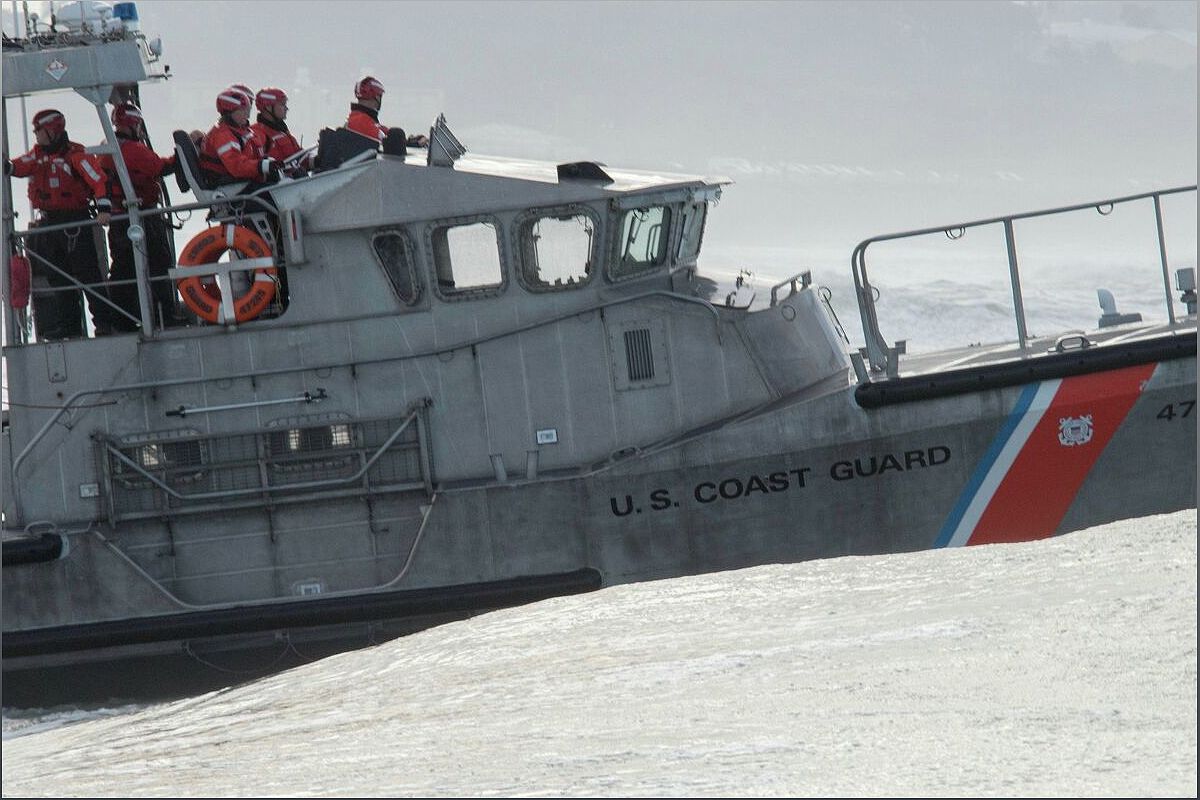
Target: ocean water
[(1064, 667)]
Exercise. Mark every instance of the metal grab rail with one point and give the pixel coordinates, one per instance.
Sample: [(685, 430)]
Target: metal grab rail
[(269, 488), (427, 512), (142, 278), (90, 289), (883, 357), (805, 279)]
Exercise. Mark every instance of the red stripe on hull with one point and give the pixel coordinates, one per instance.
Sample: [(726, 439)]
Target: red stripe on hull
[(1034, 496)]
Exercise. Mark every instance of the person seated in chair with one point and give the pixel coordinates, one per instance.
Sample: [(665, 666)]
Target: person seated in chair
[(364, 114), (230, 150), (273, 134)]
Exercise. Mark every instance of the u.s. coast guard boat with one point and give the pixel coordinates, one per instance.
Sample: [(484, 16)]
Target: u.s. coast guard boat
[(492, 381)]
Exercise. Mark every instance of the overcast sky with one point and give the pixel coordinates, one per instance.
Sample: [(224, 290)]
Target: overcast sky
[(836, 120)]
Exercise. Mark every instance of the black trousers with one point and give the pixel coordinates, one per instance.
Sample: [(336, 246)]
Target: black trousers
[(59, 314), (159, 259)]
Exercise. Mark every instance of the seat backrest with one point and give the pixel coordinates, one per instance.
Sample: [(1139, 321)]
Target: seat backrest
[(187, 163), (189, 173), (395, 143), (335, 146)]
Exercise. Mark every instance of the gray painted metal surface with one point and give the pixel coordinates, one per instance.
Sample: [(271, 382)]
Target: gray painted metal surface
[(393, 428)]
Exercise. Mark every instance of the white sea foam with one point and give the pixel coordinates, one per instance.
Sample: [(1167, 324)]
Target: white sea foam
[(1064, 667)]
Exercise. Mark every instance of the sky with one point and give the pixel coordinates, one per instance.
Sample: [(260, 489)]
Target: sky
[(1058, 668), (986, 103), (836, 120)]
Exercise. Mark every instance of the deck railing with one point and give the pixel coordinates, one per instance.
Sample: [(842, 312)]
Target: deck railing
[(883, 357)]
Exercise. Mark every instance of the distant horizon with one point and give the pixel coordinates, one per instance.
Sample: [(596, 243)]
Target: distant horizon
[(836, 121)]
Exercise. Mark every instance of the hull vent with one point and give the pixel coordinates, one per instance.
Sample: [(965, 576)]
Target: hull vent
[(639, 354)]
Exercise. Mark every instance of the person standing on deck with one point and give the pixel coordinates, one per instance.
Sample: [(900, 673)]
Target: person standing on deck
[(364, 114), (64, 181), (145, 169)]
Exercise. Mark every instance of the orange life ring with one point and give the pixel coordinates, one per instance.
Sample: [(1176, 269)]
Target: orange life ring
[(201, 293)]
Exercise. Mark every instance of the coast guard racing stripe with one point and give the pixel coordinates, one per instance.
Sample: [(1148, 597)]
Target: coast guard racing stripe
[(1030, 475)]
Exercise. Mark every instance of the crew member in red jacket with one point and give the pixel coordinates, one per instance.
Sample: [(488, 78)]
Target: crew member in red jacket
[(364, 115), (272, 130), (145, 169), (230, 151), (63, 182)]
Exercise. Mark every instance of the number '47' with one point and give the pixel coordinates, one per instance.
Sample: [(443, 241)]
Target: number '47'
[(1169, 412)]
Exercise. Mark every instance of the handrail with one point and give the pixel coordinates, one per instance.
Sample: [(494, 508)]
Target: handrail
[(67, 403), (883, 357), (255, 198), (89, 288), (258, 490), (805, 278)]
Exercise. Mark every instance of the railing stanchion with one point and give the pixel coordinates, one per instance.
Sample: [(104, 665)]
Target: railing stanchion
[(1015, 278), (1162, 255)]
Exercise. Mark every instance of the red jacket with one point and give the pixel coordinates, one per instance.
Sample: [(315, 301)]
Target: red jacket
[(145, 168), (63, 180), (233, 152), (366, 121), (277, 142)]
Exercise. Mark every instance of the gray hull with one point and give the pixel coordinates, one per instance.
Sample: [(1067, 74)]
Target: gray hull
[(457, 382)]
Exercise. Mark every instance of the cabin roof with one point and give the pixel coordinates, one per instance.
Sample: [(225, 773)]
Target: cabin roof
[(389, 191), (624, 180)]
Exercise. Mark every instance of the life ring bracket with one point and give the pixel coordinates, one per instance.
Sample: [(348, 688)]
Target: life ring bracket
[(201, 292)]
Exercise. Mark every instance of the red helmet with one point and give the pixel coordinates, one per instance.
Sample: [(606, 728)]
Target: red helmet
[(51, 120), (127, 116), (266, 98), (232, 99), (368, 89), (243, 89)]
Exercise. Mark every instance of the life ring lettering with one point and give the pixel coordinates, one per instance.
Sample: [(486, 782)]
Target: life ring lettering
[(201, 294)]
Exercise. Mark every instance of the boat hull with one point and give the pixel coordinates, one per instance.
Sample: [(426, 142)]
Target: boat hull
[(814, 477)]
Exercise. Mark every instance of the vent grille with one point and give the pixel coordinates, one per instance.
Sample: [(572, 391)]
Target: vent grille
[(639, 354)]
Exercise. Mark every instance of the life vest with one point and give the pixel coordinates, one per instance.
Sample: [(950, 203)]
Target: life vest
[(275, 139), (365, 121), (232, 152), (63, 180), (201, 293)]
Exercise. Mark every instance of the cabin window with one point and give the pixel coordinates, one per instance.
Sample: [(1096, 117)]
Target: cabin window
[(643, 242), (693, 231), (395, 255), (557, 251), (466, 258)]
